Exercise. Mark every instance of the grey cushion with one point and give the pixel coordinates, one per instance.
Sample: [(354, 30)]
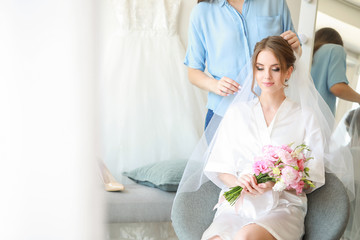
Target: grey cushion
[(164, 175), (138, 204), (328, 211)]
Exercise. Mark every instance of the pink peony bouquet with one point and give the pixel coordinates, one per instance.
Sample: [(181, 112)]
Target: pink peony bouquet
[(280, 164)]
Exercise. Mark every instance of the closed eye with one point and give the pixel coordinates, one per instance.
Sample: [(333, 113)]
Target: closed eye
[(276, 69)]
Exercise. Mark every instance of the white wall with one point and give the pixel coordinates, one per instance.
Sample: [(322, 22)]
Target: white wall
[(341, 11)]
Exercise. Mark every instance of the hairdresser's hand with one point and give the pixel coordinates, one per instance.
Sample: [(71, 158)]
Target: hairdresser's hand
[(293, 40), (249, 184), (226, 86)]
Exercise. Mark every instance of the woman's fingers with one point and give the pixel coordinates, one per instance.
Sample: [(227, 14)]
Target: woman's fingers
[(248, 183), (294, 42), (250, 186), (291, 38), (231, 82), (266, 186), (245, 185), (287, 35), (227, 86), (255, 185), (232, 88)]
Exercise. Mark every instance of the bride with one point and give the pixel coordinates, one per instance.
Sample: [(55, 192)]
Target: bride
[(286, 111)]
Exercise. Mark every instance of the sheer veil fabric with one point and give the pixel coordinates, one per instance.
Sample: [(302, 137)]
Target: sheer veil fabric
[(348, 131), (300, 90)]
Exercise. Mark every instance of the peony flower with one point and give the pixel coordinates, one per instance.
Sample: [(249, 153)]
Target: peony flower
[(269, 151), (267, 148), (286, 148), (290, 176), (300, 163), (261, 167), (271, 157), (299, 187), (279, 186), (286, 157)]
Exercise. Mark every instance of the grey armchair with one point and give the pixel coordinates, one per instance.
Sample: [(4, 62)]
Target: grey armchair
[(328, 211)]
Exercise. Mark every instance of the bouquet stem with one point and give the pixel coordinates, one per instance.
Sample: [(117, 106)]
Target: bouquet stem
[(234, 193)]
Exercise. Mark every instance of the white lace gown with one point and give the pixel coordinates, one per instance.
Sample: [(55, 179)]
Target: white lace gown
[(238, 143), (149, 110)]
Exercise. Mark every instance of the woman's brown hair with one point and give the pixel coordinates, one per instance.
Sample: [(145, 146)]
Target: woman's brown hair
[(326, 35), (280, 48)]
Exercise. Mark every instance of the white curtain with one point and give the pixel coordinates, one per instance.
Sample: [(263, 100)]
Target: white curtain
[(49, 185)]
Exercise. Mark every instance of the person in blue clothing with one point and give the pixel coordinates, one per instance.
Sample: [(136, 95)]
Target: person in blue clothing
[(222, 36), (329, 68)]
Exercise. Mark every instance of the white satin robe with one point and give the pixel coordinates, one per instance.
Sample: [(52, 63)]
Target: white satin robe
[(240, 137)]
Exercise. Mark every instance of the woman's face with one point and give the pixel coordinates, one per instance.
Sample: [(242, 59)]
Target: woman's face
[(268, 73)]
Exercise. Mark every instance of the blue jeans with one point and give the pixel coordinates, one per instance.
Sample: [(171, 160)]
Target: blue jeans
[(209, 115)]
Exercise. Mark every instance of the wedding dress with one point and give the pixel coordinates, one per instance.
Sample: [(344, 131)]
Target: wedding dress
[(149, 110)]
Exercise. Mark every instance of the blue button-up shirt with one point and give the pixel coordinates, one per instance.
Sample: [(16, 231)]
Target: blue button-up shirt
[(224, 39), (328, 69)]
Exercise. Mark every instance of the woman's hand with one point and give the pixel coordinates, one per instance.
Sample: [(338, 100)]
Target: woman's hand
[(266, 186), (222, 87), (249, 184), (293, 40), (226, 86)]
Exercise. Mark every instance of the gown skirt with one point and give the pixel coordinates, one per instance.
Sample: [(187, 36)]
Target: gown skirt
[(150, 112)]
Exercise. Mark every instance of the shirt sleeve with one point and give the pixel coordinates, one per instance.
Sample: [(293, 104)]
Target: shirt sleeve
[(196, 51), (337, 67)]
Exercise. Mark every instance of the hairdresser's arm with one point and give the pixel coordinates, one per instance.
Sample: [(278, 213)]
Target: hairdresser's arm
[(344, 91), (223, 87)]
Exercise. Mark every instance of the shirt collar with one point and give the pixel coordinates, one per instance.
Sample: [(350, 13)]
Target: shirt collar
[(222, 2)]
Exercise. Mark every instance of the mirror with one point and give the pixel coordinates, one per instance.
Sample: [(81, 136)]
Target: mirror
[(343, 16)]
